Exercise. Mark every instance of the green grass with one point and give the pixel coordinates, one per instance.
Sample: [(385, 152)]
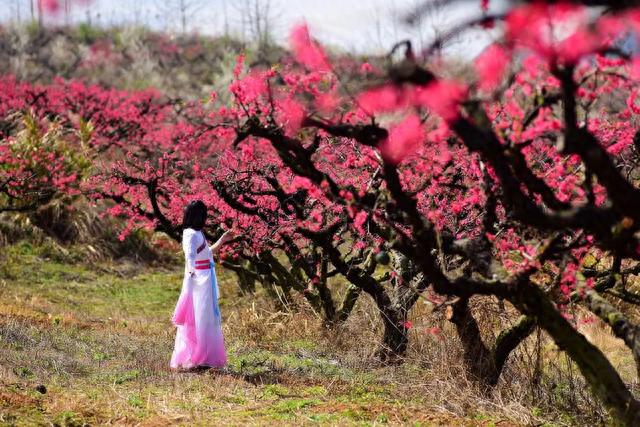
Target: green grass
[(98, 338)]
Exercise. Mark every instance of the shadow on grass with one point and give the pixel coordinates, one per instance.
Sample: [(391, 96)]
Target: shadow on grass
[(263, 377)]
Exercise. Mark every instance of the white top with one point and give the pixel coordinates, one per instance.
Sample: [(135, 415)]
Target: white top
[(191, 241)]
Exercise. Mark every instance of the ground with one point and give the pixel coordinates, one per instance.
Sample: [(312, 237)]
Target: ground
[(89, 343)]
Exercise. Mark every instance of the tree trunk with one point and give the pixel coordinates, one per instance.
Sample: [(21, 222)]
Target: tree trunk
[(506, 342), (407, 286), (326, 299), (348, 303), (477, 357), (40, 14), (247, 283), (287, 281), (621, 326), (246, 277), (603, 379), (485, 365), (394, 342), (395, 338)]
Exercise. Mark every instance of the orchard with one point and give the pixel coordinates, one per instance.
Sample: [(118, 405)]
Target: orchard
[(520, 184)]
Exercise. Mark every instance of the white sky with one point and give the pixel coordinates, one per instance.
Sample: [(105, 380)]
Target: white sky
[(363, 26)]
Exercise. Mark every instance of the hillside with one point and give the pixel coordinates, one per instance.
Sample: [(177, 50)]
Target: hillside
[(188, 66)]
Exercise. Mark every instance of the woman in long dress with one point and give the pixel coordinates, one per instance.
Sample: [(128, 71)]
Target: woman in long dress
[(199, 340)]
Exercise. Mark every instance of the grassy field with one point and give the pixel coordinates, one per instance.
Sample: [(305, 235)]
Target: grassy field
[(84, 343)]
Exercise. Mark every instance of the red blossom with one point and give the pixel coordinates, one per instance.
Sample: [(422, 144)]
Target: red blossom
[(290, 114), (306, 51), (443, 97), (237, 69), (403, 139), (491, 65), (50, 6), (383, 99), (366, 68)]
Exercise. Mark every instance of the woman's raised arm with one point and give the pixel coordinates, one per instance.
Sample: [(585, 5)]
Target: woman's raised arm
[(226, 236)]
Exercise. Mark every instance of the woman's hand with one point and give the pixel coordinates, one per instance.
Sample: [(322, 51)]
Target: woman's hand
[(226, 236)]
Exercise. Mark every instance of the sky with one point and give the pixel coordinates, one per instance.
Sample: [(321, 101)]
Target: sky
[(360, 26)]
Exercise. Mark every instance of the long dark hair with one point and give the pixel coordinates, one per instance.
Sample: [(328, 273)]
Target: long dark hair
[(195, 215)]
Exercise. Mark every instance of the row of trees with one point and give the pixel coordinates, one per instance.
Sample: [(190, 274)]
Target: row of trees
[(253, 19), (520, 185), (36, 10)]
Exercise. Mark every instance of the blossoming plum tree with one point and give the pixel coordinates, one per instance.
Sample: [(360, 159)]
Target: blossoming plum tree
[(51, 134), (521, 185), (500, 188)]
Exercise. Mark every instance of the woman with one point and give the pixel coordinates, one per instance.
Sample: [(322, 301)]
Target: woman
[(199, 341)]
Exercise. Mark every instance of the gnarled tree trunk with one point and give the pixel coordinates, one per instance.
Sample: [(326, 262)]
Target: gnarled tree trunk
[(602, 377), (484, 364), (621, 326)]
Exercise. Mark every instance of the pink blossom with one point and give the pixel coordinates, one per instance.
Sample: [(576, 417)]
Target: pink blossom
[(360, 244), (635, 68), (382, 99), (403, 139), (359, 221), (366, 68), (50, 6), (249, 88), (443, 97), (631, 102), (306, 51), (490, 66), (237, 69), (573, 48), (537, 27), (290, 115), (327, 102), (435, 331), (301, 182)]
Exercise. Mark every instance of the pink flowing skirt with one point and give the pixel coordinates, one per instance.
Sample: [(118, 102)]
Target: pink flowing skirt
[(199, 340)]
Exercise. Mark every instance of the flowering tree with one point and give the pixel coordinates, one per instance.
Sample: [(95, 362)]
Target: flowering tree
[(248, 188), (500, 188), (521, 185), (36, 166), (50, 135)]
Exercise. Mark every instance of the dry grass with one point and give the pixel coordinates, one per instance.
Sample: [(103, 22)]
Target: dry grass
[(98, 338), (70, 231)]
